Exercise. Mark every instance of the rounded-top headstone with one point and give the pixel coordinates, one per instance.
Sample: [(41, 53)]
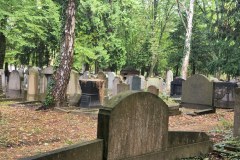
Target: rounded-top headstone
[(133, 124), (14, 81)]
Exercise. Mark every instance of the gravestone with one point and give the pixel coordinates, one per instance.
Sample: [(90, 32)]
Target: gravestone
[(73, 89), (153, 90), (236, 129), (169, 79), (176, 87), (111, 76), (155, 81), (14, 85), (224, 94), (2, 82), (197, 92), (92, 92), (32, 89), (116, 81), (101, 75), (124, 127), (122, 87), (45, 78), (143, 82), (134, 82), (134, 126)]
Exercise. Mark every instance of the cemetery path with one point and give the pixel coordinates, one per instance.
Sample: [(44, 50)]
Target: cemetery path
[(25, 132)]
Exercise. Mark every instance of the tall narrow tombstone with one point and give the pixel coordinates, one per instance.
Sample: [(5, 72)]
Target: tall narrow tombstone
[(2, 82), (32, 89), (143, 83), (122, 87), (45, 78), (101, 75), (117, 80), (169, 79), (133, 124), (111, 76), (14, 85), (236, 129), (73, 89)]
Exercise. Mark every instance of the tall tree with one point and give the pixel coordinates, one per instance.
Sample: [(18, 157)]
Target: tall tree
[(187, 45), (62, 74)]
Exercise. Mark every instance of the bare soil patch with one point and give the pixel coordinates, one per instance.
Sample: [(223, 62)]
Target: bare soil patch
[(25, 132)]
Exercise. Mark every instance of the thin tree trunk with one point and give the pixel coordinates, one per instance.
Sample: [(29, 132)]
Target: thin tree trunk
[(2, 49), (187, 45), (62, 74)]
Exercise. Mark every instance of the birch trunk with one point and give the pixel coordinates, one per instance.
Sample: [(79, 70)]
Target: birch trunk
[(187, 45), (62, 74)]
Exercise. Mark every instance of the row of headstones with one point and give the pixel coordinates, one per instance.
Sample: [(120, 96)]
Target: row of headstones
[(37, 85), (116, 84)]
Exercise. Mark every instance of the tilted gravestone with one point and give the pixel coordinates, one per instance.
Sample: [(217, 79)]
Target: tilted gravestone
[(197, 92), (32, 89), (153, 90), (14, 85), (73, 89)]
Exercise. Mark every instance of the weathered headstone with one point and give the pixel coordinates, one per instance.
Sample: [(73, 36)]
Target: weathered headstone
[(236, 129), (73, 89), (127, 133), (134, 126), (32, 89), (122, 87), (86, 75), (14, 85), (143, 82), (111, 76), (197, 92), (155, 81), (153, 90), (45, 78), (2, 81), (169, 79), (136, 83), (101, 75), (116, 81)]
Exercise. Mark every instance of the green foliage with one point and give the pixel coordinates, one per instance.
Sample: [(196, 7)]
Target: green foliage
[(49, 101)]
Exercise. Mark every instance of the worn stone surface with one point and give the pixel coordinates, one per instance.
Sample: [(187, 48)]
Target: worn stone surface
[(48, 70), (197, 90), (116, 81), (91, 150), (14, 85), (111, 76), (133, 124), (32, 90), (169, 79), (122, 87), (154, 81), (236, 130), (43, 87), (143, 83), (153, 90), (101, 75), (176, 87), (136, 83), (73, 89)]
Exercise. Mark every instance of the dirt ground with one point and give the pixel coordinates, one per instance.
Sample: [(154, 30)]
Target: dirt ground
[(25, 132)]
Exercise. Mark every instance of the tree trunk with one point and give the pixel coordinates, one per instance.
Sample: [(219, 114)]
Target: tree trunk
[(187, 45), (62, 74), (2, 49)]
